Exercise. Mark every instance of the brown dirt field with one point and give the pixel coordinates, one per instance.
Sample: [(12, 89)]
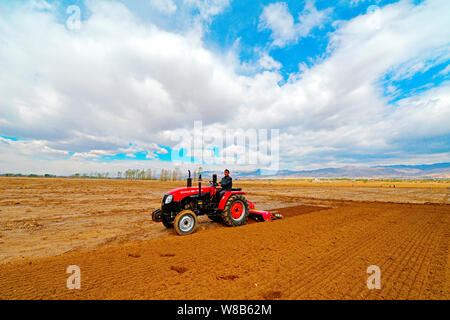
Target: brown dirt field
[(321, 250)]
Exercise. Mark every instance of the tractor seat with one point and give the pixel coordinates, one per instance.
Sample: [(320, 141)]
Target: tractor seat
[(236, 189)]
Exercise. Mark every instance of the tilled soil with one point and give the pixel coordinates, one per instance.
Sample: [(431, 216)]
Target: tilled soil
[(320, 250)]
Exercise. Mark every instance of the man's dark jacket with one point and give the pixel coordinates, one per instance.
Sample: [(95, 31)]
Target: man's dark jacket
[(226, 183)]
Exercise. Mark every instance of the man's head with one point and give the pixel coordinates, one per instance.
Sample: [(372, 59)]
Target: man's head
[(226, 172)]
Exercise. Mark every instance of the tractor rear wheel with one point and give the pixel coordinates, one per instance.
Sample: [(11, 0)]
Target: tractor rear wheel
[(185, 222), (236, 211)]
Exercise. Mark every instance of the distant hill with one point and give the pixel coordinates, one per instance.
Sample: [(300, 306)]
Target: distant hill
[(437, 170)]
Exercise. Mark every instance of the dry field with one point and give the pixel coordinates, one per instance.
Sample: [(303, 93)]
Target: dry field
[(331, 233)]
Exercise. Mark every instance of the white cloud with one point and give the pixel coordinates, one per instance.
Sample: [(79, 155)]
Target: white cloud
[(268, 63), (40, 5), (208, 8), (446, 70), (278, 19), (421, 115), (337, 103), (420, 64), (37, 149), (357, 2), (164, 6), (311, 18)]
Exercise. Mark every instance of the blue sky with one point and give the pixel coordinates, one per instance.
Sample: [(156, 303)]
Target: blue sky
[(355, 82), (241, 22)]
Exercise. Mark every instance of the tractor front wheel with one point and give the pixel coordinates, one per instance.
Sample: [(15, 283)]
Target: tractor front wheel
[(185, 222), (236, 211)]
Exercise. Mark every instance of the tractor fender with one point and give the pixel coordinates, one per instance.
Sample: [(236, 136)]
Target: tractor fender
[(225, 198)]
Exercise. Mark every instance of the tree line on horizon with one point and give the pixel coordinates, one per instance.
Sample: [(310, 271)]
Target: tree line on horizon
[(129, 174), (137, 174)]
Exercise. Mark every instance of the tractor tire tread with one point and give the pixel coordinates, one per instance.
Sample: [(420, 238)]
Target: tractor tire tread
[(225, 213)]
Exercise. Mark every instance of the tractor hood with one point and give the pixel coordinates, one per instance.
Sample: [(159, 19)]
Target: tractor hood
[(180, 193)]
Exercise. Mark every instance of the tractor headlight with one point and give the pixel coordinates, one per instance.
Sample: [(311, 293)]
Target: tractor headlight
[(169, 199)]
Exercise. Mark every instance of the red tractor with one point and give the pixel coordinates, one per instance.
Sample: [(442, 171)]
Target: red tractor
[(181, 206)]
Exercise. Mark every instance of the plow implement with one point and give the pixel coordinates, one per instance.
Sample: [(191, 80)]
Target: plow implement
[(262, 215)]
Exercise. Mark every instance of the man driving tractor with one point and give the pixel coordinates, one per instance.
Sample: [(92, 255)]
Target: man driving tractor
[(226, 182)]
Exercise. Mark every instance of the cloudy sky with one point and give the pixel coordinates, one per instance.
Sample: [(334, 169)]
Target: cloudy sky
[(346, 82)]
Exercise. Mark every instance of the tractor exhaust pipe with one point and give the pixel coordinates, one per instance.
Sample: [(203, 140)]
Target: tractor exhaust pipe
[(189, 180), (199, 200)]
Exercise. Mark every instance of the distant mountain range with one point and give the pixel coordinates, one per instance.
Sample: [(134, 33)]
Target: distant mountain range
[(437, 170)]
